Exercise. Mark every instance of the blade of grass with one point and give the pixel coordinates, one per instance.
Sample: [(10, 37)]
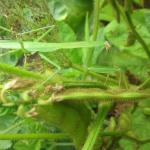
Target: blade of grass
[(96, 127), (36, 30), (6, 29), (9, 52), (87, 38), (45, 47), (49, 61), (44, 34), (95, 30)]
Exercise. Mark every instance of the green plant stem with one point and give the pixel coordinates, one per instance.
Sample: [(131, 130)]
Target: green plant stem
[(96, 18), (43, 56), (33, 136), (5, 29), (83, 84), (146, 83), (99, 95), (36, 30), (45, 33), (113, 133), (94, 74), (9, 52), (96, 127), (61, 136), (20, 72)]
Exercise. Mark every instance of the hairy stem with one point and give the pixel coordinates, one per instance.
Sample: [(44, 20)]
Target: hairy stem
[(20, 72), (99, 95)]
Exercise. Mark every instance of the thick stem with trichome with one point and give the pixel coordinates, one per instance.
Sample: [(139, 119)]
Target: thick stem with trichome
[(20, 72), (98, 95)]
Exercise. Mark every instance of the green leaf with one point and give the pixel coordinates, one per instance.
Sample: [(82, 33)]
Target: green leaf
[(141, 124), (115, 33), (147, 19), (7, 126), (71, 118), (10, 57), (58, 10), (140, 129), (145, 146), (127, 144), (72, 11), (5, 144), (67, 34), (119, 59), (27, 144), (107, 13)]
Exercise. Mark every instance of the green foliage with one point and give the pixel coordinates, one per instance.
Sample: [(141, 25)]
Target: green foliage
[(66, 66), (59, 115)]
